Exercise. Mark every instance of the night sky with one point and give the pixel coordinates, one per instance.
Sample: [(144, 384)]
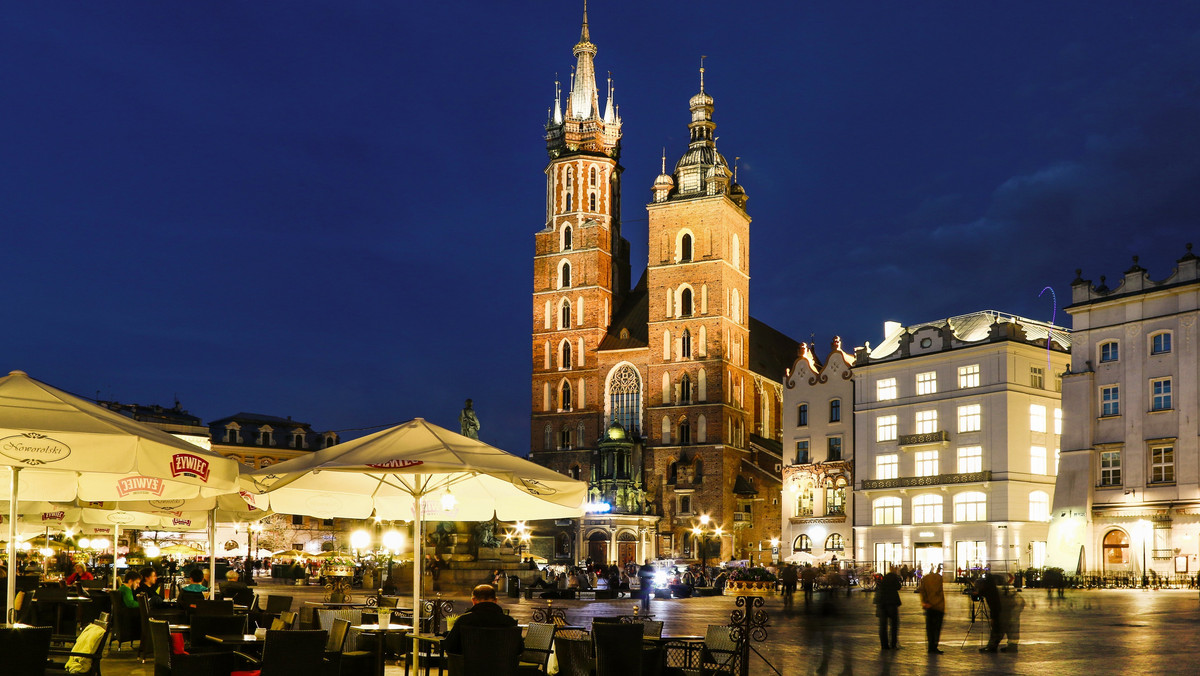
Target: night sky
[(327, 210)]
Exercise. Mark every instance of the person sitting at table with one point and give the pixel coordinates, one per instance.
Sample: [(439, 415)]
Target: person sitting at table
[(234, 589), (150, 587), (80, 574), (132, 578), (197, 584), (484, 612)]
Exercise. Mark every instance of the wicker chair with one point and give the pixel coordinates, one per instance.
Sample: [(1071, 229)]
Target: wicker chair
[(24, 649), (495, 651), (574, 655), (539, 638), (618, 648)]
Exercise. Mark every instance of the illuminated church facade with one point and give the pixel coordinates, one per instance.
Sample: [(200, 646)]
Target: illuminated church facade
[(664, 395)]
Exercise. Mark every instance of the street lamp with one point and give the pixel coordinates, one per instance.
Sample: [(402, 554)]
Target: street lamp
[(1143, 529), (701, 532)]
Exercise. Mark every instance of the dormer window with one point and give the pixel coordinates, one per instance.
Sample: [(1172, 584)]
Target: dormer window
[(233, 434), (266, 436), (330, 440), (297, 440)]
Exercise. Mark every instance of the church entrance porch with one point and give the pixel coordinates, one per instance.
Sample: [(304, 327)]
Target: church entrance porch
[(597, 547)]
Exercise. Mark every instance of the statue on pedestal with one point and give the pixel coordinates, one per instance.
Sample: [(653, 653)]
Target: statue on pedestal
[(468, 421)]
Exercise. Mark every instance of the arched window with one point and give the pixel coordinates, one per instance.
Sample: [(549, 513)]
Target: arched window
[(835, 543), (970, 506), (887, 511), (685, 389), (564, 440), (735, 310), (698, 471), (592, 178), (1039, 506), (685, 302), (568, 202), (804, 500), (685, 432), (548, 442), (673, 473), (685, 345), (1116, 547), (564, 394), (564, 275), (685, 248), (927, 509), (564, 319), (566, 238), (666, 430), (574, 474), (737, 252), (835, 498), (625, 398), (802, 544), (570, 176), (564, 355), (592, 202)]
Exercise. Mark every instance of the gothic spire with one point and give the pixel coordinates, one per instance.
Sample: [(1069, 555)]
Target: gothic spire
[(584, 104)]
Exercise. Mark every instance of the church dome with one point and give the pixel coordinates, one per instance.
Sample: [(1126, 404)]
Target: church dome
[(664, 181), (615, 432), (701, 99), (705, 155)]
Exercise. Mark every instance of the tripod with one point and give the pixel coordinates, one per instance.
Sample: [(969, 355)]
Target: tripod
[(979, 609)]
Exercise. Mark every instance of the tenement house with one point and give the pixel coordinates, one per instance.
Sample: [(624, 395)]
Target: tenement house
[(676, 361), (1127, 501), (818, 404), (957, 424)]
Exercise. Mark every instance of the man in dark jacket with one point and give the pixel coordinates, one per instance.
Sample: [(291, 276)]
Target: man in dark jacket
[(887, 608), (987, 590), (484, 612)]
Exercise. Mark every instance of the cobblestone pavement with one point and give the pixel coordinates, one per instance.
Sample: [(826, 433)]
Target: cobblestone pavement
[(1114, 631)]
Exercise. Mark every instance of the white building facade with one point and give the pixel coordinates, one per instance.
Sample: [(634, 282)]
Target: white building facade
[(818, 453), (1128, 496), (958, 424)]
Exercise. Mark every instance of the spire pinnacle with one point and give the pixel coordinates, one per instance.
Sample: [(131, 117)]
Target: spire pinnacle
[(583, 35), (702, 58), (664, 161)]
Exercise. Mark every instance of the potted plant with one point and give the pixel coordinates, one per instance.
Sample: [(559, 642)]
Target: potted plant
[(755, 581), (338, 566)]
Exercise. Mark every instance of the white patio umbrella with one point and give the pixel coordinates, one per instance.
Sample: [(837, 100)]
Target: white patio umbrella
[(60, 448), (418, 470)]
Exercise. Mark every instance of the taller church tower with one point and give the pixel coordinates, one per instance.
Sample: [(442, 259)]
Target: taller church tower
[(581, 263)]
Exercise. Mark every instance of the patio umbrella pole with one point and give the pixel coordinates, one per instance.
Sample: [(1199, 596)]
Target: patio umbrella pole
[(116, 542), (11, 588), (212, 553), (416, 647)]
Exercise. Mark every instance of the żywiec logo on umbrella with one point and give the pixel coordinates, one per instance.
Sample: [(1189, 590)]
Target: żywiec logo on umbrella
[(166, 505), (34, 449), (54, 516), (143, 485), (534, 487), (186, 464), (186, 523), (396, 464)]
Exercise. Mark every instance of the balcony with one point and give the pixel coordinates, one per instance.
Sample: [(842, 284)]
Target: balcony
[(742, 516), (809, 518), (938, 437), (935, 480)]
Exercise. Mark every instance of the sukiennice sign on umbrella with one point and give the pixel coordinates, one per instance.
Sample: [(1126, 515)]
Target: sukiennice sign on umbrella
[(60, 448), (418, 471)]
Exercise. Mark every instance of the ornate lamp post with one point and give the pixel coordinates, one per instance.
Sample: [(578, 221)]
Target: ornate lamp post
[(702, 532)]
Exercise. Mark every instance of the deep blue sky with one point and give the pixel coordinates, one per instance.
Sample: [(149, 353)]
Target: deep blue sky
[(326, 210)]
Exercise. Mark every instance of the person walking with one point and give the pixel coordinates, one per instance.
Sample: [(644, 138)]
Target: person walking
[(933, 600), (646, 582), (887, 609)]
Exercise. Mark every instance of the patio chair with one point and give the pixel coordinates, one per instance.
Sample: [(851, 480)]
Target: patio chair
[(718, 654), (332, 663), (495, 651), (539, 638), (125, 624), (167, 662), (618, 648), (204, 626), (654, 628), (574, 655), (83, 655), (24, 649), (287, 653), (213, 607), (188, 600)]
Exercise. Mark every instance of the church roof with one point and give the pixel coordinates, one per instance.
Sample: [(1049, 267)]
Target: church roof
[(771, 352), (632, 320)]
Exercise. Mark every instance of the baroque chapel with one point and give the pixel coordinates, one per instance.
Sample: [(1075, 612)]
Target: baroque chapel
[(665, 396)]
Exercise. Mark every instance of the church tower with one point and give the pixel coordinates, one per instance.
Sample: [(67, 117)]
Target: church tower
[(581, 267), (700, 391)]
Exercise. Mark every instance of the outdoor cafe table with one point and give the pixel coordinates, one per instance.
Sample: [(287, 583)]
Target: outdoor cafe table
[(235, 639), (435, 642), (376, 630), (332, 605)]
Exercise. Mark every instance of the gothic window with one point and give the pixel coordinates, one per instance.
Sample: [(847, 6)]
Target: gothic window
[(579, 434), (685, 348), (548, 441), (592, 202), (673, 473), (566, 238), (564, 319), (698, 470), (570, 176), (685, 248), (564, 396), (564, 438), (592, 178), (564, 275), (685, 302), (574, 473), (666, 430), (568, 201), (625, 398), (685, 389), (564, 355), (685, 432), (737, 252)]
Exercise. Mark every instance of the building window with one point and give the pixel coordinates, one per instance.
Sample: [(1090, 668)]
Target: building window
[(887, 512), (298, 440), (1109, 352), (804, 501), (592, 177), (927, 509), (1037, 377), (1160, 394), (926, 422), (685, 248), (625, 399), (566, 238), (927, 463), (297, 520), (548, 438), (802, 415), (232, 435), (970, 506), (885, 389), (801, 453), (685, 433), (968, 376), (927, 382), (568, 209), (835, 543), (1037, 555), (835, 498), (564, 401), (835, 410), (885, 428), (685, 389), (685, 345), (970, 459), (1110, 401), (564, 355), (1116, 547), (802, 544), (685, 504), (1058, 421), (835, 448), (564, 439), (565, 314), (592, 202), (1160, 343), (1039, 506), (1037, 418), (266, 437), (887, 466), (564, 275), (1162, 464), (330, 440), (1110, 468), (969, 418), (1037, 459)]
